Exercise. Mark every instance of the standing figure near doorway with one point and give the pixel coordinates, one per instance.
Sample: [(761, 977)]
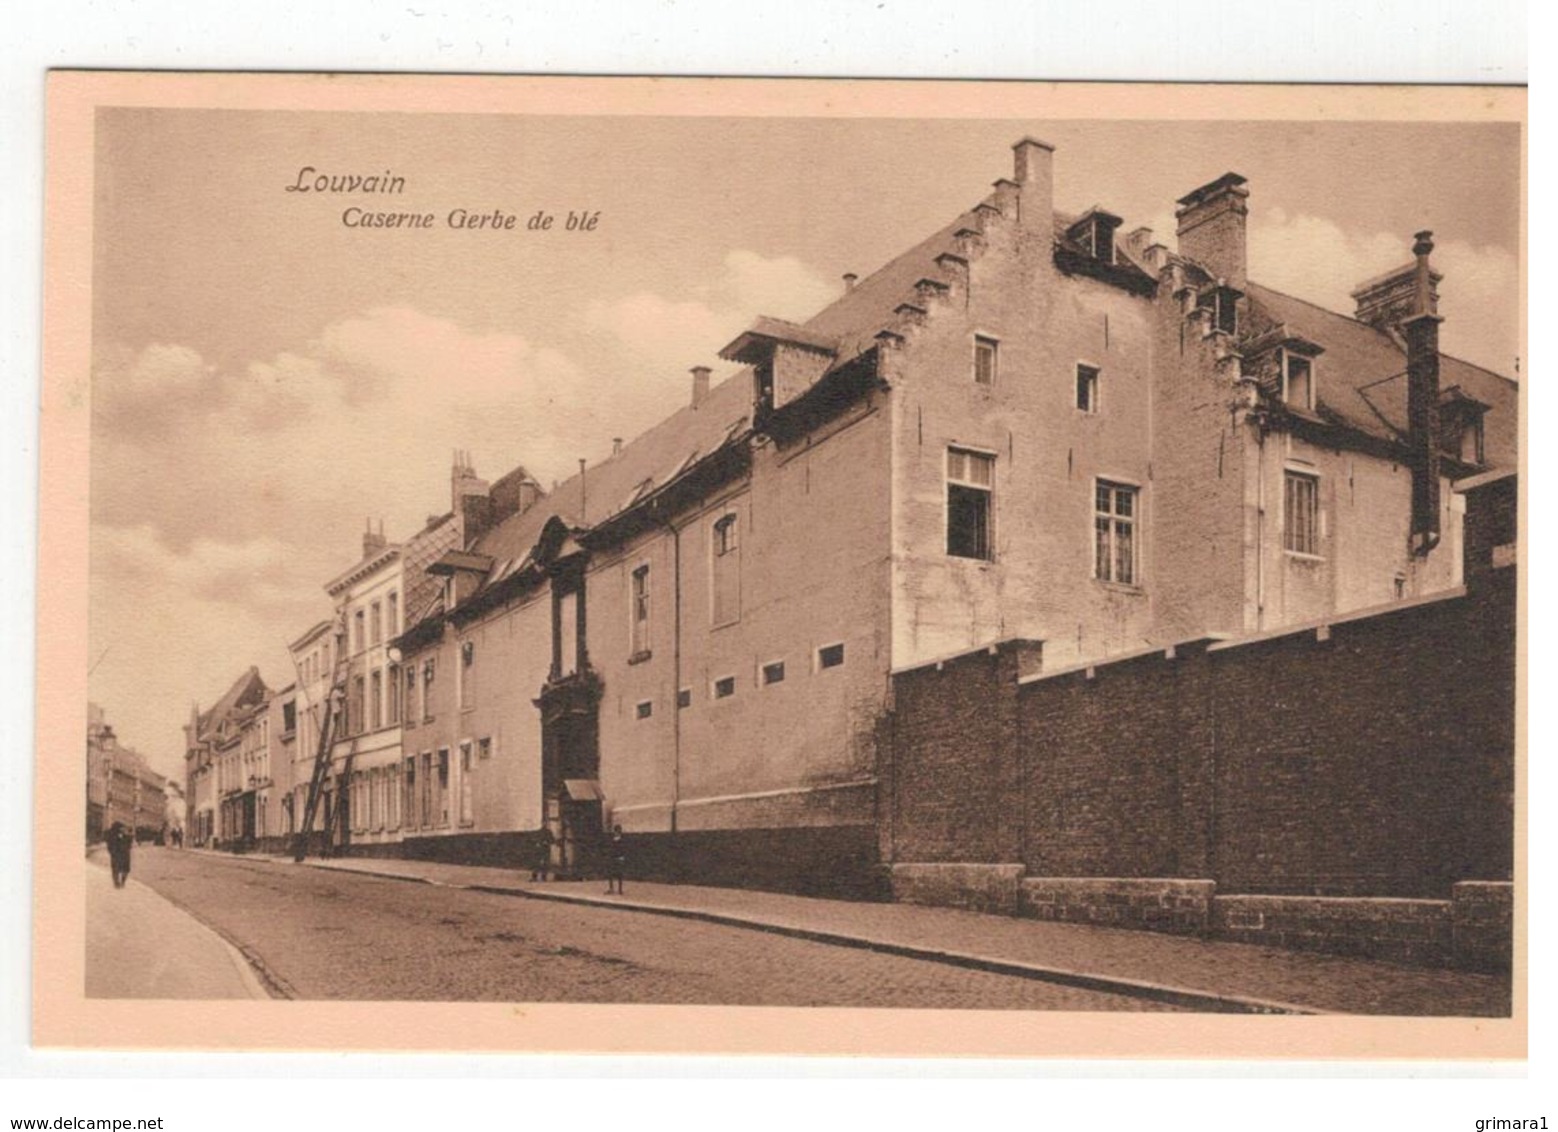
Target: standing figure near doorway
[(541, 859), (616, 861)]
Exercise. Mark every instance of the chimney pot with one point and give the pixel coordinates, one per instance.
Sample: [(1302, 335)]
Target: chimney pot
[(616, 446), (850, 279), (700, 384)]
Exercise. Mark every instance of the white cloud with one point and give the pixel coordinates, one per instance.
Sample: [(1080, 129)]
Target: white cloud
[(1316, 259), (138, 383), (670, 335)]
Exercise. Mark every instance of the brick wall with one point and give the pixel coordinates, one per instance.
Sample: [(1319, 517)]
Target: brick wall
[(1372, 758), (1407, 931), (953, 777)]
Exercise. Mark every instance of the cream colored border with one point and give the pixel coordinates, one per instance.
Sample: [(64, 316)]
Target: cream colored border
[(63, 1017)]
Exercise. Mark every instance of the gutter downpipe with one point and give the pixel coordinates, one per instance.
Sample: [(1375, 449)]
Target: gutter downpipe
[(1260, 530), (676, 668)]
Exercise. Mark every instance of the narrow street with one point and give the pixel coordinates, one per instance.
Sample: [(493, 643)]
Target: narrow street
[(335, 935)]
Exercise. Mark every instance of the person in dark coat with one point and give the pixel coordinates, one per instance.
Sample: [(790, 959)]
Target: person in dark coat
[(541, 863), (616, 861), (119, 840)]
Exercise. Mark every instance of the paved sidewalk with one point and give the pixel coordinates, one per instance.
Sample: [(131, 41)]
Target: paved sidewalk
[(1203, 974), (139, 945)]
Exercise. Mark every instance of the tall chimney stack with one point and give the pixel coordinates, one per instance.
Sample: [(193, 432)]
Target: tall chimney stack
[(373, 541), (1033, 168), (470, 497), (1212, 228), (1421, 331), (700, 384)]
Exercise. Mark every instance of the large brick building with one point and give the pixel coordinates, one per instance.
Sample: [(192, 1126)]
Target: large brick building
[(1025, 428), (1026, 431)]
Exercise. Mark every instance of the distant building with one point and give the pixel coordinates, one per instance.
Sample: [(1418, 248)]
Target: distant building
[(120, 785), (361, 796), (212, 774)]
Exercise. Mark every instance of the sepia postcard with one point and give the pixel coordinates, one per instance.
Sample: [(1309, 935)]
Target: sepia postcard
[(784, 566)]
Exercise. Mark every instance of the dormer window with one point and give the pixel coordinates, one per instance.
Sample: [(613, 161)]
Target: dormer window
[(1223, 303), (1460, 426), (1094, 232), (763, 375), (1298, 381), (1470, 437), (1100, 241)]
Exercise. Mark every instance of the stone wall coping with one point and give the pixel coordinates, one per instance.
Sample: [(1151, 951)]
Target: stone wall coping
[(1169, 651), (1198, 881), (992, 866), (1452, 594), (1255, 898)]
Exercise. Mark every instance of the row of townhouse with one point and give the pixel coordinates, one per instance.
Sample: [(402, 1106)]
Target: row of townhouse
[(1025, 428), (121, 786)]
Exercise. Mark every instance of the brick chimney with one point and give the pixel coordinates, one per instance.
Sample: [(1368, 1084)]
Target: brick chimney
[(469, 498), (1212, 228), (1420, 328), (700, 384), (1387, 301), (1033, 168), (373, 541)]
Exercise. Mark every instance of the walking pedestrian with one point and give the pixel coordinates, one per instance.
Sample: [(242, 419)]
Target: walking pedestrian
[(617, 859), (119, 840), (541, 863)]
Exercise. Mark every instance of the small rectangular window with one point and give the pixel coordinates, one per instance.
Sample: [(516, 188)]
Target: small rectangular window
[(1226, 311), (467, 673), (1114, 529), (1301, 513), (467, 794), (427, 689), (830, 656), (443, 786), (773, 673), (725, 544), (970, 485), (1087, 388), (645, 709), (376, 624), (484, 747), (684, 698), (724, 686), (985, 357), (639, 611)]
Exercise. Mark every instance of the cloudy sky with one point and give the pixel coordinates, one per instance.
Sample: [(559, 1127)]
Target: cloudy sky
[(266, 379)]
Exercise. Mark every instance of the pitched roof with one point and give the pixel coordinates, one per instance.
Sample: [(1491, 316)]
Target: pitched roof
[(246, 691), (1363, 374), (645, 463)]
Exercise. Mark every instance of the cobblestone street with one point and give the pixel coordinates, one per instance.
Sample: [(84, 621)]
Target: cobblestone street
[(336, 935)]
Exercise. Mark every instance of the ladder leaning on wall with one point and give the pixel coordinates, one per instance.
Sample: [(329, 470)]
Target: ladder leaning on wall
[(330, 712)]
